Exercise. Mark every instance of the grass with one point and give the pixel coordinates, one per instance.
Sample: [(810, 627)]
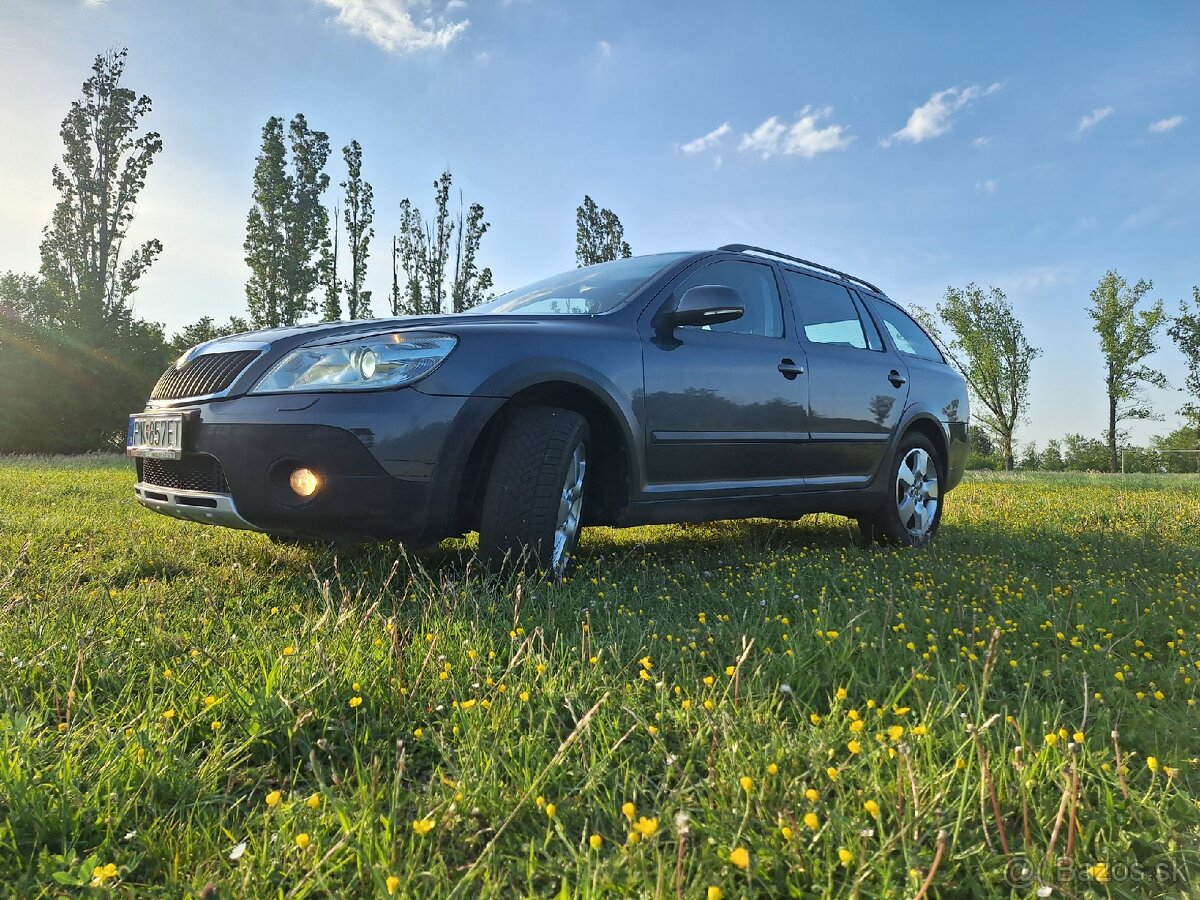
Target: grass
[(746, 709)]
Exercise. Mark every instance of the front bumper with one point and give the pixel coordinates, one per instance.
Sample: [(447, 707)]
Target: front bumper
[(392, 464)]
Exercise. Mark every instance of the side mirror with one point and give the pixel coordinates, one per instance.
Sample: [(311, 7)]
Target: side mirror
[(706, 304)]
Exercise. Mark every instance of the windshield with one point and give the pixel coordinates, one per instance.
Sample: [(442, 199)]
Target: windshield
[(583, 292)]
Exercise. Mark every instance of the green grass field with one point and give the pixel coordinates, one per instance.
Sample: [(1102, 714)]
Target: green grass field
[(737, 709)]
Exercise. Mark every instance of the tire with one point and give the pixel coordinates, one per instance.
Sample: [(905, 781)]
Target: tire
[(911, 512), (533, 505)]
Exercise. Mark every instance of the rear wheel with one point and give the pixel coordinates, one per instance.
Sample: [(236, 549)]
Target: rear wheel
[(912, 509), (533, 506)]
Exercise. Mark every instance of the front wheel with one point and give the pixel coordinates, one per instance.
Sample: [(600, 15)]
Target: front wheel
[(533, 506), (912, 508)]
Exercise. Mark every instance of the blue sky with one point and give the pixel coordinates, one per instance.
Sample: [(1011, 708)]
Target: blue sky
[(1029, 146)]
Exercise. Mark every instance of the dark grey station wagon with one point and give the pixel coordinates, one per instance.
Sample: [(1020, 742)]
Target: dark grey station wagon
[(676, 387)]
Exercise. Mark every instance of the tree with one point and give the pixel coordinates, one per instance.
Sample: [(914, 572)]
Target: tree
[(1030, 459), (205, 330), (103, 171), (1127, 336), (74, 360), (287, 224), (1050, 459), (599, 235), (987, 344), (1083, 454), (1185, 332), (359, 212), (422, 250), (1180, 449), (331, 304)]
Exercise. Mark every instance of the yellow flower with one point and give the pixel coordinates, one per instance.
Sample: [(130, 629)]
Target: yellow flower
[(167, 673), (217, 725), (466, 704), (628, 810), (729, 670), (273, 799), (646, 664), (811, 821), (772, 769), (595, 841), (746, 782), (896, 732), (715, 893), (169, 714), (811, 795), (845, 856), (857, 726), (832, 773), (101, 874), (840, 694), (423, 826), (854, 747), (1152, 763), (740, 858), (1077, 737), (524, 695), (1051, 739), (303, 840), (786, 832), (645, 827), (392, 883), (871, 807), (355, 702), (210, 700), (708, 681), (313, 802), (289, 650), (550, 807), (652, 729), (1099, 872)]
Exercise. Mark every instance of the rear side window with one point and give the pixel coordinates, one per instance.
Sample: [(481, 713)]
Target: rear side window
[(906, 334), (826, 311)]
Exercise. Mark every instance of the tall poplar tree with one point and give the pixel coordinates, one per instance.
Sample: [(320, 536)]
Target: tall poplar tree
[(599, 235), (359, 213), (287, 224), (1127, 336), (1185, 331)]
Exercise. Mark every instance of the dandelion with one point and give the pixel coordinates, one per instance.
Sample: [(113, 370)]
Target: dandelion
[(746, 782), (896, 732), (812, 821), (595, 841), (289, 650), (1152, 763), (1051, 739), (729, 670), (217, 725), (422, 827), (273, 799), (1099, 871), (313, 802), (872, 808), (466, 704), (524, 695), (550, 808), (845, 856), (715, 893), (628, 810), (840, 694), (392, 884), (854, 747), (740, 857), (355, 702), (832, 773), (708, 681), (168, 714), (811, 795), (210, 701), (772, 769), (786, 833), (303, 840), (646, 827)]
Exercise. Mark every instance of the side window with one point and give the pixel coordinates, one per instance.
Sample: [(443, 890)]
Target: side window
[(874, 340), (826, 311), (755, 284), (906, 334)]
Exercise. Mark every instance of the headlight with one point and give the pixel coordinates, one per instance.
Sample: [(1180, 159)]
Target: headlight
[(362, 362)]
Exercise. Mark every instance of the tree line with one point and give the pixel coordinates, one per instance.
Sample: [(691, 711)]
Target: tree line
[(75, 360)]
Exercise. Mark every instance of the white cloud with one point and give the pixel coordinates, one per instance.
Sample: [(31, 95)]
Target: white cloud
[(935, 116), (605, 48), (452, 5), (1163, 125), (801, 138), (982, 141), (390, 24), (1096, 116), (987, 186), (712, 139)]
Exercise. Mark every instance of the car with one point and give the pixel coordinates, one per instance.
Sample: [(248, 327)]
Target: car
[(668, 388)]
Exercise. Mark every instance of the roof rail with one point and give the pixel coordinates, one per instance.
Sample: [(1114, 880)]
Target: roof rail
[(743, 248)]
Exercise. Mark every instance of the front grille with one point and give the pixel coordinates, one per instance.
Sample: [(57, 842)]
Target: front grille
[(204, 375), (195, 472)]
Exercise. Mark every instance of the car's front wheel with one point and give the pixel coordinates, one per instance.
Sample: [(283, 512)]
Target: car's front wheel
[(533, 505), (912, 508)]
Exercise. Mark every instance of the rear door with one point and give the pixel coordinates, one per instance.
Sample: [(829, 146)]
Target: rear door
[(857, 387), (726, 405)]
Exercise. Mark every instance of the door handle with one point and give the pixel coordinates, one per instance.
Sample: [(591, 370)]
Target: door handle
[(897, 379), (789, 368)]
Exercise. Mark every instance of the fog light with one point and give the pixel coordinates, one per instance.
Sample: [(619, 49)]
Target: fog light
[(305, 482)]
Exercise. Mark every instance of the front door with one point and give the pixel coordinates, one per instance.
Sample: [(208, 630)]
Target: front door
[(726, 405)]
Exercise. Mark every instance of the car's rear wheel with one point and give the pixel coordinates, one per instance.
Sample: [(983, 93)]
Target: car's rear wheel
[(912, 509), (533, 505)]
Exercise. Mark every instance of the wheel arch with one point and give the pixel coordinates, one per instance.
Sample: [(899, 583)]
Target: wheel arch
[(928, 426), (611, 471)]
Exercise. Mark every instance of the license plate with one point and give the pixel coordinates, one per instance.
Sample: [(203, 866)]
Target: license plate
[(156, 436)]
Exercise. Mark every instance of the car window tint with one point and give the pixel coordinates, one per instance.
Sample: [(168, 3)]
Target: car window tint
[(755, 284), (826, 311), (906, 334)]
